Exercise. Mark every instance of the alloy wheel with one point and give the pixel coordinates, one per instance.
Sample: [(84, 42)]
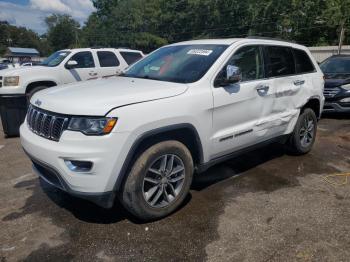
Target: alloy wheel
[(163, 181), (306, 132)]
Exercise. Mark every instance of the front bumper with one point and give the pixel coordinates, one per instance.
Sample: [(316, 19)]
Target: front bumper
[(52, 177), (331, 107), (12, 90), (107, 153)]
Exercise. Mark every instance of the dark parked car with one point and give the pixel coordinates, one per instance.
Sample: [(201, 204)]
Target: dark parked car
[(3, 66), (337, 87)]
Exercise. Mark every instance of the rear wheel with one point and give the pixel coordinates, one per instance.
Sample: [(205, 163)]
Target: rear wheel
[(304, 134), (159, 181)]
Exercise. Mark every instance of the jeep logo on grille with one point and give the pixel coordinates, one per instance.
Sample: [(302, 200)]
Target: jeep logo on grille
[(38, 102)]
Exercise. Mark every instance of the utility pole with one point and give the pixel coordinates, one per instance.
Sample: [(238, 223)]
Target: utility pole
[(341, 37), (76, 38)]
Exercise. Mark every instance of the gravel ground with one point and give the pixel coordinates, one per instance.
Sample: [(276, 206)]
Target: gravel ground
[(262, 206)]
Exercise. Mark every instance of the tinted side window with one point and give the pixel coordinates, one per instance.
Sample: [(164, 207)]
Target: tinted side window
[(84, 59), (131, 57), (250, 62), (303, 62), (279, 61), (107, 59)]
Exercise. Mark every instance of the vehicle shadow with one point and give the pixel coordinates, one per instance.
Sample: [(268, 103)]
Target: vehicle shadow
[(91, 213), (236, 166)]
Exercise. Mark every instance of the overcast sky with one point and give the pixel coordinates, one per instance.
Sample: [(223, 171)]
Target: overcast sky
[(31, 13)]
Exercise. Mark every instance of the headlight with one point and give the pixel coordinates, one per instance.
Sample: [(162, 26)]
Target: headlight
[(92, 126), (346, 87), (11, 80)]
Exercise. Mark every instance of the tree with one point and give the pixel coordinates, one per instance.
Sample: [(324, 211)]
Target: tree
[(63, 31), (20, 37), (149, 24)]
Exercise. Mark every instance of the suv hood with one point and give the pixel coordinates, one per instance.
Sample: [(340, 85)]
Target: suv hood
[(97, 97)]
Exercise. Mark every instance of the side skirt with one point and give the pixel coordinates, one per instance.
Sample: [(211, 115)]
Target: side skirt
[(205, 166)]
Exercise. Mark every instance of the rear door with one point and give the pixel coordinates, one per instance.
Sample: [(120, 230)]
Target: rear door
[(109, 64), (84, 70), (239, 107), (285, 86)]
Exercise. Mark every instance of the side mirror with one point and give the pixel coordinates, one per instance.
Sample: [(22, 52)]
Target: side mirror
[(233, 75), (71, 64), (230, 75)]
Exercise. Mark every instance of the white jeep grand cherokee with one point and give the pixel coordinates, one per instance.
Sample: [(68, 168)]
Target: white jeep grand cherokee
[(141, 136)]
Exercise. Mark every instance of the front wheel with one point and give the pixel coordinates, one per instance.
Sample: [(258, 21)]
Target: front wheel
[(303, 137), (159, 181), (30, 94)]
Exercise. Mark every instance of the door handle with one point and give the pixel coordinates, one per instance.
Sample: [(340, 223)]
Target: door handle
[(262, 90), (299, 82), (93, 74)]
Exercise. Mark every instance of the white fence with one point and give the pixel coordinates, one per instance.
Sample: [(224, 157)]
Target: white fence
[(323, 52)]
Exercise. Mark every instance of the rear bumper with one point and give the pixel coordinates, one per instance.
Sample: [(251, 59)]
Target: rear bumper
[(330, 107), (51, 176)]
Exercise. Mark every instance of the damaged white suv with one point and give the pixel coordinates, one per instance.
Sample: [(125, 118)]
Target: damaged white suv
[(141, 136)]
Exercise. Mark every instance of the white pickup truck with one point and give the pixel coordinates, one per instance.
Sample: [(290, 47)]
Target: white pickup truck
[(67, 66)]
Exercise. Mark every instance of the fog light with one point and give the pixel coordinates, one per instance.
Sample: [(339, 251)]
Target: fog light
[(78, 166), (345, 100)]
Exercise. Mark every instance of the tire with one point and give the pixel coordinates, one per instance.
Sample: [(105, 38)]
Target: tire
[(301, 142), (138, 193), (33, 91)]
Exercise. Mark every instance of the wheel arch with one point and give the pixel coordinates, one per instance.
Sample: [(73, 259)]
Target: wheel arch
[(34, 84), (184, 133), (314, 103)]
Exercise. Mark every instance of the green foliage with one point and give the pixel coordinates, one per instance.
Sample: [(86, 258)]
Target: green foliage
[(121, 22), (149, 24), (19, 37), (63, 31)]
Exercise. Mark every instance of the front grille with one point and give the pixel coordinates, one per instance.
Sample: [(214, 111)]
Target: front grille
[(46, 124), (331, 92)]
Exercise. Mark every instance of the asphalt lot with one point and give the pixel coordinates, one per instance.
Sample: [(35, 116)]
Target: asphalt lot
[(263, 206)]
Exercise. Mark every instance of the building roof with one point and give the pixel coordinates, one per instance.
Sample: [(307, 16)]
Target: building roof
[(18, 51), (328, 48)]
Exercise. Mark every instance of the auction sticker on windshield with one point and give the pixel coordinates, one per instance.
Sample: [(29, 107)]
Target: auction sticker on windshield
[(199, 52)]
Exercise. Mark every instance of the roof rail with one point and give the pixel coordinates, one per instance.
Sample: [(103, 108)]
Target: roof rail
[(270, 38)]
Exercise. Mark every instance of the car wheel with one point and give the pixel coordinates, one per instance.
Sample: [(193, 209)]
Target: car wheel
[(158, 181), (303, 137)]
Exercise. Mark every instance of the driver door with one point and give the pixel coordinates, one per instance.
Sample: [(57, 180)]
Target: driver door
[(84, 70), (239, 107)]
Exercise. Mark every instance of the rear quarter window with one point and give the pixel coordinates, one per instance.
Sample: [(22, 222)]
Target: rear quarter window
[(303, 62), (131, 57)]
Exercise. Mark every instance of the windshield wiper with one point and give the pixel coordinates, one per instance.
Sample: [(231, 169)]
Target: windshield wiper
[(137, 76)]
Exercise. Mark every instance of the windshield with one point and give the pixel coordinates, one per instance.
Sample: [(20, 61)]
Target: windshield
[(179, 64), (336, 65), (55, 59)]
